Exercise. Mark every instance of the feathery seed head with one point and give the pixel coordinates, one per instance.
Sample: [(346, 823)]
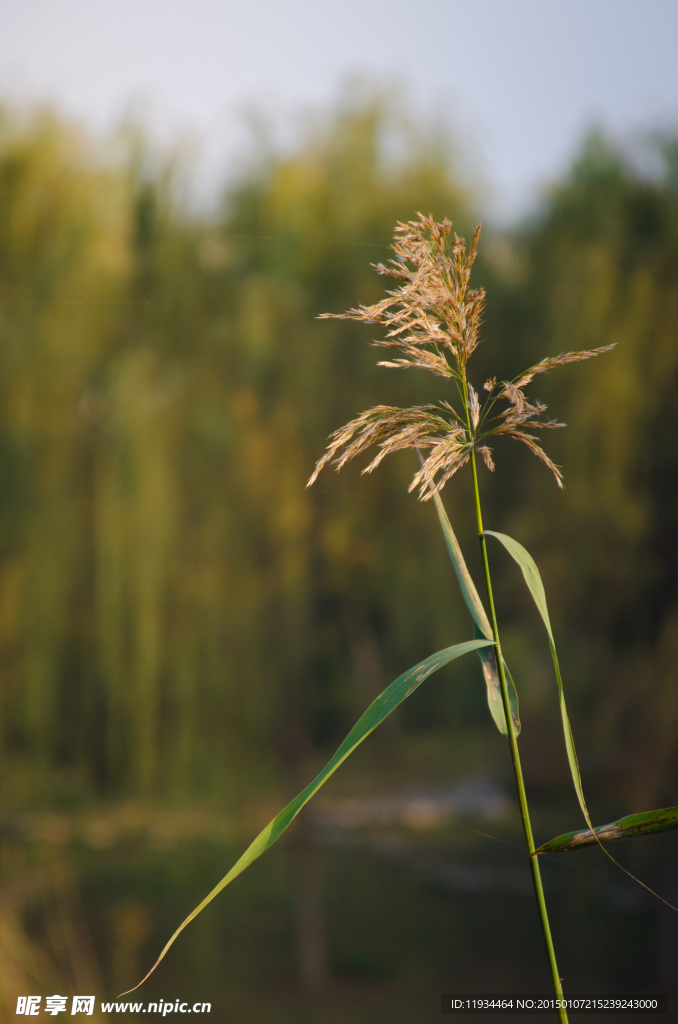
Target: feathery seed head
[(433, 321)]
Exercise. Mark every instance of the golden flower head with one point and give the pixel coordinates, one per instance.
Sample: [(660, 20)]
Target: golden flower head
[(433, 321)]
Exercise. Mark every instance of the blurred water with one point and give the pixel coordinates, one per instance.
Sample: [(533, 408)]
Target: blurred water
[(407, 911)]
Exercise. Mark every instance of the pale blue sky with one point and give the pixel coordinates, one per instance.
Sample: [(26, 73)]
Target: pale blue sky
[(521, 78)]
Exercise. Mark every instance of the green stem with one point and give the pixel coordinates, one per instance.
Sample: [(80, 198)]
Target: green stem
[(515, 757)]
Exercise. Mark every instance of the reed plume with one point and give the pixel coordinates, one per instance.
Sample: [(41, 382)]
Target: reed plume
[(433, 320)]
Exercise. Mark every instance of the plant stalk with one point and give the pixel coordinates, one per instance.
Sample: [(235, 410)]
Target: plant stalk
[(515, 757)]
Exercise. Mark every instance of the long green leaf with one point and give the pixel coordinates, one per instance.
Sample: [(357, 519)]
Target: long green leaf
[(482, 628), (536, 588), (385, 703), (632, 825)]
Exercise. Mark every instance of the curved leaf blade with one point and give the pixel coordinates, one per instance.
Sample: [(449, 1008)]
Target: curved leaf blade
[(482, 627), (533, 579), (530, 572), (379, 709), (628, 827)]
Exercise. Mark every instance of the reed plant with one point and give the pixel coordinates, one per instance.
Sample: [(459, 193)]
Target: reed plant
[(432, 321)]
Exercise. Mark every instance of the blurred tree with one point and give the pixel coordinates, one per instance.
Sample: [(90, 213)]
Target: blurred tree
[(178, 615), (63, 257), (171, 591), (603, 267)]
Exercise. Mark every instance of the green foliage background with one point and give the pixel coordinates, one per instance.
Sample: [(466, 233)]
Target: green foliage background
[(166, 391), (179, 618)]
